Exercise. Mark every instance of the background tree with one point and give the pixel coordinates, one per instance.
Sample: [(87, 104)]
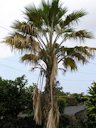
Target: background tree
[(15, 103), (14, 97), (41, 36), (91, 106), (60, 96)]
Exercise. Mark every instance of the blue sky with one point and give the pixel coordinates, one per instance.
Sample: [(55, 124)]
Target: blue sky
[(10, 65)]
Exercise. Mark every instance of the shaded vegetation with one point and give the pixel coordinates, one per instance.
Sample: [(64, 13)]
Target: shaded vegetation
[(16, 109), (91, 106), (14, 97)]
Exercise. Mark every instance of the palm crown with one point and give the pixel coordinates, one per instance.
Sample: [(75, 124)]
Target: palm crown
[(40, 35)]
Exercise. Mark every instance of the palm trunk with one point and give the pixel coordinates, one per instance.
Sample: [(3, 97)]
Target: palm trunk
[(47, 98)]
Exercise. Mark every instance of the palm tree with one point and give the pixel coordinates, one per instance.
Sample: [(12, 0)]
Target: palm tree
[(41, 37)]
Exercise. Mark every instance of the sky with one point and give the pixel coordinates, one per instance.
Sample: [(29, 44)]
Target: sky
[(10, 64)]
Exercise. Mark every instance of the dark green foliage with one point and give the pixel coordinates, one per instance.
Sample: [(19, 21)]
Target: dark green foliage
[(79, 97), (14, 97), (26, 122), (91, 106), (64, 121), (71, 101), (60, 97), (61, 103)]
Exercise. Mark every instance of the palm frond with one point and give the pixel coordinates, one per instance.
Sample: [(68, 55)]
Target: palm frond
[(37, 106), (69, 63), (34, 16), (80, 57), (84, 50), (24, 27), (31, 58), (56, 12), (16, 40), (73, 17), (91, 48), (81, 35), (53, 12), (64, 30), (22, 42), (77, 53)]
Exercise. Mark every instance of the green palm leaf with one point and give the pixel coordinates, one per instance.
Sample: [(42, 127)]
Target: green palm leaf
[(30, 58), (81, 35), (74, 17), (69, 63)]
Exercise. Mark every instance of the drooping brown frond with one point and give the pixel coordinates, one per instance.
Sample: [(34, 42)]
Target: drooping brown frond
[(53, 118), (24, 27), (16, 41), (22, 42), (37, 106)]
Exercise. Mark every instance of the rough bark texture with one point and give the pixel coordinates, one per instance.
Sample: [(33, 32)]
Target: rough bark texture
[(47, 98)]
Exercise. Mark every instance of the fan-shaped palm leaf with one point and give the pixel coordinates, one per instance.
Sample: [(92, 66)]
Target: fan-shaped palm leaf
[(73, 17), (31, 58)]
